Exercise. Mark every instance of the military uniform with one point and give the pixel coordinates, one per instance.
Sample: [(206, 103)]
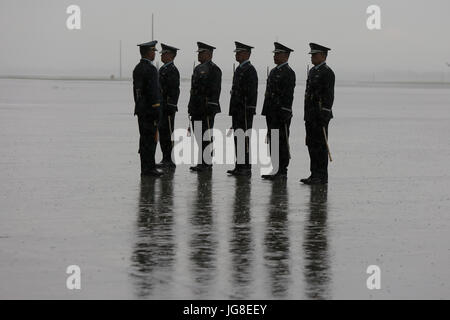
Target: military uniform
[(277, 107), (204, 102), (147, 108), (319, 97), (244, 94), (169, 80)]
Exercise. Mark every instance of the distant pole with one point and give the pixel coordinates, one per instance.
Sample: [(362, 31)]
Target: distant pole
[(153, 35), (120, 59)]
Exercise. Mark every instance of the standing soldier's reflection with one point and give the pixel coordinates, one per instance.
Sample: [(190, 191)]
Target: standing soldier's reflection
[(154, 253), (203, 240), (241, 244), (317, 268), (276, 241)]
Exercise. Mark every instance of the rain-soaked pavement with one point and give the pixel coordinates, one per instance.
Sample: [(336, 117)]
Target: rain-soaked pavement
[(70, 194)]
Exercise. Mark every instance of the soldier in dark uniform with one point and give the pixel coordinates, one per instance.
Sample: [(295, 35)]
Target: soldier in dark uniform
[(204, 101), (169, 81), (147, 104), (278, 106), (243, 106), (319, 97)]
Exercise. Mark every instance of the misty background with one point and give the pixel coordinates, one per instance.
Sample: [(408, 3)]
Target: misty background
[(412, 44)]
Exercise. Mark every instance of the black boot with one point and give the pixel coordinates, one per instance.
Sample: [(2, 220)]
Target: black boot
[(160, 165), (306, 180), (236, 170), (200, 167), (317, 181), (166, 164), (151, 173), (281, 174), (243, 172)]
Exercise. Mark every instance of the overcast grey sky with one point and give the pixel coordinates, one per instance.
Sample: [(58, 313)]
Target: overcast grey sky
[(35, 40)]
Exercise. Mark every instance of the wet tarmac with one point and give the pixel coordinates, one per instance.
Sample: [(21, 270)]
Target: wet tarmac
[(71, 194)]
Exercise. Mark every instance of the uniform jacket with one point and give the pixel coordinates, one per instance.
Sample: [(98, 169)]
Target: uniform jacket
[(319, 94), (279, 93), (147, 96), (205, 90), (244, 92), (169, 80)]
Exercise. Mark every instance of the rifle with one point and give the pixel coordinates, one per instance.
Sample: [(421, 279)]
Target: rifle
[(326, 141)]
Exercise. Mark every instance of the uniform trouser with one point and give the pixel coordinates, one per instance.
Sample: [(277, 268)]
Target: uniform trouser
[(283, 142), (165, 135), (207, 122), (317, 148), (147, 142), (243, 123)]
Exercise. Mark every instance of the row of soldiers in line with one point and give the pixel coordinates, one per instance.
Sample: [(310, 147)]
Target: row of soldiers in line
[(156, 97)]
